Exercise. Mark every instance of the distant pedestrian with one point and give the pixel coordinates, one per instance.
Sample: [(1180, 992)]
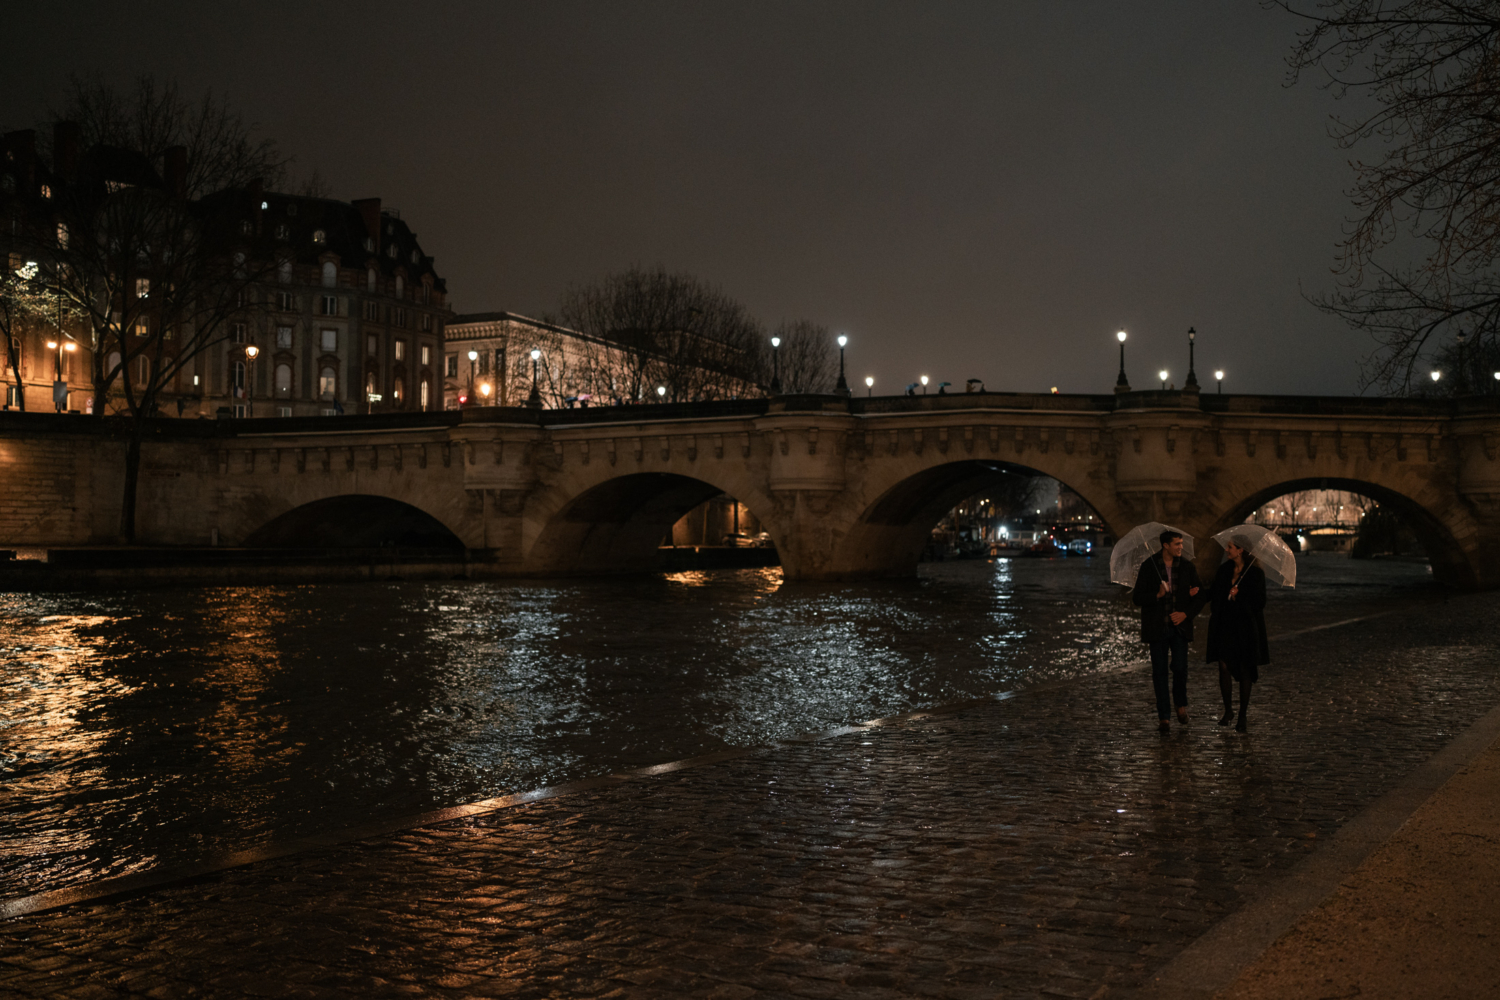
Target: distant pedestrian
[(1166, 591), (1237, 629)]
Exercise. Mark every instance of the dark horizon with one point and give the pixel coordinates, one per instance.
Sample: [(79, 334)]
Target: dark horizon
[(968, 192)]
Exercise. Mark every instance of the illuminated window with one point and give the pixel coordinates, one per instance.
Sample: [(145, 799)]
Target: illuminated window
[(400, 350), (327, 382), (62, 235), (46, 191), (426, 398), (283, 380), (426, 354), (143, 326), (399, 389)]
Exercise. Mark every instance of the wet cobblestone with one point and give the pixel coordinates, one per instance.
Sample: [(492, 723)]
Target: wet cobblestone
[(1052, 845)]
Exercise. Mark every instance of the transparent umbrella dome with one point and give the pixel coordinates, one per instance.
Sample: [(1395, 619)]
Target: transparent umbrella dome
[(1263, 545), (1139, 544)]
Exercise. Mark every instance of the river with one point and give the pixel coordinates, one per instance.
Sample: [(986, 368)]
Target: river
[(157, 727)]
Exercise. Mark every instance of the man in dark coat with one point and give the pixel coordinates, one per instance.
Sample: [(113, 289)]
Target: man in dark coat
[(1167, 592)]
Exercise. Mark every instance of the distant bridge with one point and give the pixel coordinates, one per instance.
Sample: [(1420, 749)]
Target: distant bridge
[(847, 488)]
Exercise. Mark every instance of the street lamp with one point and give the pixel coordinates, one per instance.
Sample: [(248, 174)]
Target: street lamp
[(1436, 375), (1192, 376), (535, 399), (869, 385), (251, 352), (1163, 376), (1121, 383), (1219, 377), (484, 390), (661, 393), (843, 386), (776, 366), (924, 385), (473, 360)]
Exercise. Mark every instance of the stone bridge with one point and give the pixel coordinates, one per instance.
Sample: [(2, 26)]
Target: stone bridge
[(847, 488)]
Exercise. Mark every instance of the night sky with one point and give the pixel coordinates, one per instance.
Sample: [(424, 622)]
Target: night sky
[(970, 190)]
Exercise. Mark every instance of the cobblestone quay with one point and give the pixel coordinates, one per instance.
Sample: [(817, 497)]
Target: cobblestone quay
[(1052, 844)]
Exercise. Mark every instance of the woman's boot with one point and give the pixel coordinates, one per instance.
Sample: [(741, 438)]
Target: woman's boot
[(1240, 726), (1226, 691)]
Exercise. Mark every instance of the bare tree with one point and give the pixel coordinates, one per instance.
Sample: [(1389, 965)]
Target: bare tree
[(155, 272), (25, 301), (669, 330), (808, 361), (1425, 78)]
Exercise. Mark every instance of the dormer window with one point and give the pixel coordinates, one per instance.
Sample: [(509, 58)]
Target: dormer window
[(283, 231), (415, 257), (319, 236), (390, 251), (370, 280), (369, 245), (265, 205), (246, 228), (46, 190), (400, 287)]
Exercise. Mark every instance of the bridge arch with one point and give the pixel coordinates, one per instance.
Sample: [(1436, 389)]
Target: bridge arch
[(888, 536), (1450, 563), (616, 525), (354, 520)]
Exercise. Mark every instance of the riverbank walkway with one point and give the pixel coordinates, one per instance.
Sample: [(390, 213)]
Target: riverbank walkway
[(1051, 844)]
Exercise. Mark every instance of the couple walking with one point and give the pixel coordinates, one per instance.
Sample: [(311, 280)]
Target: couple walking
[(1170, 596)]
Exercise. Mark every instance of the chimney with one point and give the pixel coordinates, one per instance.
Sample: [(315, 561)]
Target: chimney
[(65, 138), (369, 210), (22, 146), (175, 170)]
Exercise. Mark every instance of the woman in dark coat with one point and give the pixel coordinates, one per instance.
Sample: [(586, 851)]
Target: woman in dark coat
[(1237, 628)]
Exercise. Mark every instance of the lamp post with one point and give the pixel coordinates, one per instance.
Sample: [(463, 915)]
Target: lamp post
[(1122, 384), (775, 366), (473, 360), (1191, 384), (661, 394), (1463, 376), (843, 386), (1163, 376), (869, 385), (924, 384), (59, 384), (535, 399), (1219, 377), (251, 352)]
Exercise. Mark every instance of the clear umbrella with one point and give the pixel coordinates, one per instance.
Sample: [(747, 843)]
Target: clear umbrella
[(1139, 544), (1265, 547)]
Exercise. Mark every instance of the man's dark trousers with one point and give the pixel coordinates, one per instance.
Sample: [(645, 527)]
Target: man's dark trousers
[(1174, 645)]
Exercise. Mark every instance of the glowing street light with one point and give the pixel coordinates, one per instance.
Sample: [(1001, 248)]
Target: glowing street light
[(923, 380), (1436, 375), (1219, 377), (661, 392), (776, 366), (1163, 376), (1122, 384), (869, 385), (484, 390)]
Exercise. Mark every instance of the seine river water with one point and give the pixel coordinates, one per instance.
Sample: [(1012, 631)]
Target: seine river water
[(155, 727)]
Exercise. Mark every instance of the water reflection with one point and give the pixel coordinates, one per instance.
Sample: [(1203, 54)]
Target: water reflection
[(155, 727)]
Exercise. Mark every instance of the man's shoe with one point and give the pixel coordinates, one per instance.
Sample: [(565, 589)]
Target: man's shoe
[(1165, 725), (1240, 726), (1182, 716), (1227, 717)]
